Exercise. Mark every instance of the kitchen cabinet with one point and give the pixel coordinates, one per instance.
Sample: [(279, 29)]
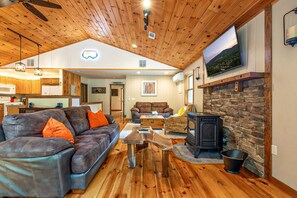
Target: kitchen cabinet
[(27, 86), (1, 112), (22, 86), (49, 81), (14, 109)]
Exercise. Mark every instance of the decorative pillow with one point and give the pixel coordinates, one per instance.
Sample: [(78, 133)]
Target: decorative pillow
[(97, 119), (54, 128), (181, 111)]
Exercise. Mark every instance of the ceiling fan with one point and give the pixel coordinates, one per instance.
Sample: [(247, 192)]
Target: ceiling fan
[(31, 8)]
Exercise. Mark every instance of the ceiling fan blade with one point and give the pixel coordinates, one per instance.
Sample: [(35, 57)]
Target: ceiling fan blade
[(35, 11), (4, 3), (45, 4)]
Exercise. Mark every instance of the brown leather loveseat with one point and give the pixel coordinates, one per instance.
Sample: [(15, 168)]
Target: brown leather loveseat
[(146, 108)]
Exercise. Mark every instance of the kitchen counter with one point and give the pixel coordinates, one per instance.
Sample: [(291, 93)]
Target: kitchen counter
[(95, 106), (51, 101)]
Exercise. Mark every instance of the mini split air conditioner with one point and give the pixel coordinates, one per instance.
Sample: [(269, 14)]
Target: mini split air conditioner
[(178, 77)]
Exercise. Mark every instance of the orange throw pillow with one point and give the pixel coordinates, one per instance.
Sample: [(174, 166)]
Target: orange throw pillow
[(97, 119), (54, 128)]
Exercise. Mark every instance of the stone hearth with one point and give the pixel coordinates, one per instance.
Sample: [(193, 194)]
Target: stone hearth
[(243, 119)]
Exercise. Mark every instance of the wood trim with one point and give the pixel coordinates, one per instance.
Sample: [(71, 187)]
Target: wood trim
[(283, 186), (110, 87), (268, 92), (245, 76)]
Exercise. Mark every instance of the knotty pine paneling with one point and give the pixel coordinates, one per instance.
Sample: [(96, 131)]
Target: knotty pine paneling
[(68, 80), (183, 28)]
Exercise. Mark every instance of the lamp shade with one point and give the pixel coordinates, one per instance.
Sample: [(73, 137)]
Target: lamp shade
[(21, 67), (38, 72)]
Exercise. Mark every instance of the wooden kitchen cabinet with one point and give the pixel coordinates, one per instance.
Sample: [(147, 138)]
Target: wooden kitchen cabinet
[(27, 86), (1, 112), (14, 109), (23, 86), (49, 81)]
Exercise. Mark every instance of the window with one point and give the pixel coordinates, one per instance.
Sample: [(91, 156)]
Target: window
[(190, 89)]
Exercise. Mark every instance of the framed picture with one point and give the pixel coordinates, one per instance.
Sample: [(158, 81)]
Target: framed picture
[(149, 88), (98, 90)]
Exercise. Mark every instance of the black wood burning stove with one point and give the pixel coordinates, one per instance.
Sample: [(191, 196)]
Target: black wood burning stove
[(204, 131)]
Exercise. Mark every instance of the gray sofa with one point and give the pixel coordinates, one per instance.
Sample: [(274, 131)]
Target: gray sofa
[(33, 166), (146, 108)]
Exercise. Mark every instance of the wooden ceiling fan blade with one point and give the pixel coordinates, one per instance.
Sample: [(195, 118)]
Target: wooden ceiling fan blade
[(4, 3), (45, 4), (35, 11)]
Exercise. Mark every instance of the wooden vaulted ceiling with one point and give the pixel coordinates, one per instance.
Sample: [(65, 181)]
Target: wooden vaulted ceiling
[(183, 27)]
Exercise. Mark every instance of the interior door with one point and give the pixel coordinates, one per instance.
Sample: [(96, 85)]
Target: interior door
[(84, 93), (116, 98)]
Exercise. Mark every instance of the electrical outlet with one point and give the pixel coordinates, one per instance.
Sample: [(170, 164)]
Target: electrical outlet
[(274, 149)]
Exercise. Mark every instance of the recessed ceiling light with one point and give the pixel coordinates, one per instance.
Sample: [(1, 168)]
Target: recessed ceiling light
[(138, 72), (146, 3), (166, 72), (134, 45)]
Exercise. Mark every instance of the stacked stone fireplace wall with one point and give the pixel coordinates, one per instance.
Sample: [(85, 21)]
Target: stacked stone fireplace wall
[(243, 119)]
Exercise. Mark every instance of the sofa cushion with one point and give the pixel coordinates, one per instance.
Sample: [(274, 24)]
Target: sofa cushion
[(111, 130), (159, 106), (54, 128), (97, 119), (78, 118), (32, 124), (144, 107), (87, 150), (24, 147)]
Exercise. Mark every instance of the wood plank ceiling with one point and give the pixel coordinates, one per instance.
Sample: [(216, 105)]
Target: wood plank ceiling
[(183, 27)]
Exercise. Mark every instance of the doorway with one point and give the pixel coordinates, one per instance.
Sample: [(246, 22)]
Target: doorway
[(117, 105), (84, 93)]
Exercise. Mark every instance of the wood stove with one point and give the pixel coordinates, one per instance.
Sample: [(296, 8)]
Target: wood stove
[(204, 131)]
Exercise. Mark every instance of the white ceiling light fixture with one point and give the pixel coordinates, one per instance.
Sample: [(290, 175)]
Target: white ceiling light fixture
[(146, 3), (19, 66), (138, 72), (38, 71), (134, 45)]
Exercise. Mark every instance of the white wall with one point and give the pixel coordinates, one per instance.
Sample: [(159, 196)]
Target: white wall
[(109, 57), (166, 92), (284, 97), (101, 97), (251, 39), (198, 93)]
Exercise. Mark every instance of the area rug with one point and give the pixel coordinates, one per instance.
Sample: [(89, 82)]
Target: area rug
[(205, 157), (128, 129)]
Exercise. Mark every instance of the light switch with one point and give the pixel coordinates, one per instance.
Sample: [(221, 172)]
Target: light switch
[(274, 149)]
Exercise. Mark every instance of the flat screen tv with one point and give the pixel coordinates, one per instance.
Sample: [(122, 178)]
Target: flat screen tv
[(223, 54)]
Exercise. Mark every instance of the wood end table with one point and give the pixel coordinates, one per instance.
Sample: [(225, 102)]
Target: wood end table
[(136, 138)]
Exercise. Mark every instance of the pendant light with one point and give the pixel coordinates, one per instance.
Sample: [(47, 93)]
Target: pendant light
[(19, 66), (38, 71)]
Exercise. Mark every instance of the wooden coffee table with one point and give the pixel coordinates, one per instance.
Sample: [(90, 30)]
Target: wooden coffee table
[(136, 138), (154, 121)]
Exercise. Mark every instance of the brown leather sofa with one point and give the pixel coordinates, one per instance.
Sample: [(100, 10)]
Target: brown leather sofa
[(146, 108)]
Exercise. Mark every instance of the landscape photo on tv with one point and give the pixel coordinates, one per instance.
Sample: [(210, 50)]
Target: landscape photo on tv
[(223, 54)]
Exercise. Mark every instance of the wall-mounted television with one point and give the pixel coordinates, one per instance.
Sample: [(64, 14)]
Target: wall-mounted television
[(223, 54)]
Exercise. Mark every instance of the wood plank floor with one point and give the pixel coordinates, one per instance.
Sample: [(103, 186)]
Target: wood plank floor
[(115, 179)]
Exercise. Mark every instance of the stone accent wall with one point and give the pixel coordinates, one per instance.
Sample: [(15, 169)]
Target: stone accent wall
[(243, 119)]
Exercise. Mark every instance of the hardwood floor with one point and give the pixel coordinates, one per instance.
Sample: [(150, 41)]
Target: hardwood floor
[(115, 179)]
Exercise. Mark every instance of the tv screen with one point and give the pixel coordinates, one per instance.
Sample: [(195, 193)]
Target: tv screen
[(223, 54)]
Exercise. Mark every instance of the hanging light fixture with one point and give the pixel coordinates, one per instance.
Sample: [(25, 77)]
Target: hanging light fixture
[(38, 71), (19, 66)]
